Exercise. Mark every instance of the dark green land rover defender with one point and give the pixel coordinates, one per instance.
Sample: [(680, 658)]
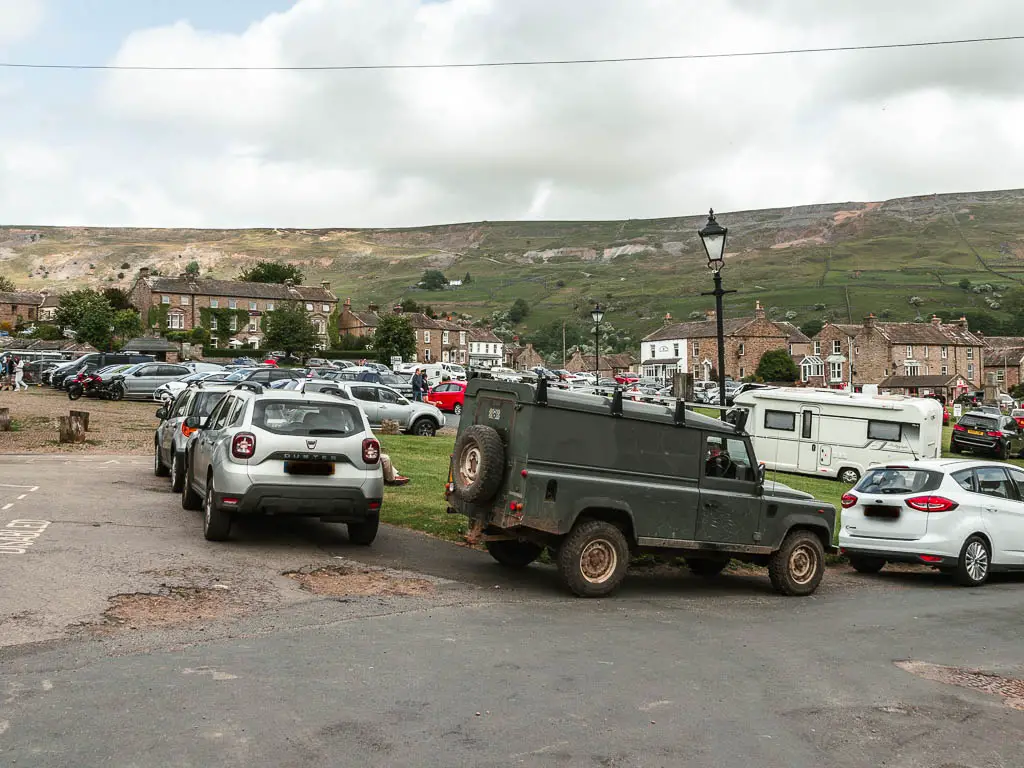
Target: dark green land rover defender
[(597, 479)]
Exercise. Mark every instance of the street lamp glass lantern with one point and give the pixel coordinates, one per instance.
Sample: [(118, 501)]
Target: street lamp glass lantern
[(713, 237), (597, 314)]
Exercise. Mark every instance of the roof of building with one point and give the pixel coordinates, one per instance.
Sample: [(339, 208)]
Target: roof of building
[(928, 334), (993, 358), (51, 300), (847, 328), (732, 326), (21, 297), (209, 287), (149, 344), (1004, 341), (904, 382), (366, 317), (617, 360), (661, 361), (796, 336), (65, 345), (483, 335)]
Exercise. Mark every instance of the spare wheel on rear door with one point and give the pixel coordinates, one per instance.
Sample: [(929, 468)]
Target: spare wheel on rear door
[(479, 464)]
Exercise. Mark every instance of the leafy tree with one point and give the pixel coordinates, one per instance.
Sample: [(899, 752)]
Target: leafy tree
[(47, 332), (394, 336), (411, 305), (88, 314), (965, 284), (812, 328), (289, 328), (118, 298), (777, 365), (518, 311), (271, 272), (548, 338), (467, 279), (127, 324), (433, 280), (7, 285), (192, 270)]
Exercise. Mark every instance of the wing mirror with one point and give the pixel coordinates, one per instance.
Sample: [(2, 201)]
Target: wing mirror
[(761, 472), (162, 414), (195, 422)]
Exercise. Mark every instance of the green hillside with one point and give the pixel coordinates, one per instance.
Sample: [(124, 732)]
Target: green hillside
[(836, 261)]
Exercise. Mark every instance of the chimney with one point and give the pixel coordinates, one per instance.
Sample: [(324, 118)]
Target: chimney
[(936, 320), (869, 321), (143, 272), (758, 311), (709, 314), (668, 318), (325, 284), (348, 304), (289, 282), (962, 322)]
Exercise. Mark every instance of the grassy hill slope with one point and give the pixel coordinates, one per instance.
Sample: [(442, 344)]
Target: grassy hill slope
[(836, 261)]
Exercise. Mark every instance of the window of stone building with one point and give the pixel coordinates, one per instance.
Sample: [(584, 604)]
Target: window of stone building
[(252, 305), (232, 304), (254, 324), (910, 350), (270, 306), (214, 303), (945, 370), (234, 323), (309, 307), (837, 347), (186, 300), (817, 347), (165, 299), (970, 371), (176, 321), (426, 338), (742, 351), (970, 353)]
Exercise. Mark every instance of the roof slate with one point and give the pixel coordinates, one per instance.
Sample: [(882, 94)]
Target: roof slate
[(239, 288), (21, 297)]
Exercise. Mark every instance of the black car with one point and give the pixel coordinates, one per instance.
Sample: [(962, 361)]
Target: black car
[(987, 433)]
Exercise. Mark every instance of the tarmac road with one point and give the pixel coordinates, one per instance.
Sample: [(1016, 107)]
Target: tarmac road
[(485, 670)]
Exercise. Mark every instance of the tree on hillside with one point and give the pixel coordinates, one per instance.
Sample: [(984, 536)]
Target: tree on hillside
[(271, 272), (411, 305), (518, 311), (394, 337), (117, 298), (88, 314), (965, 284), (548, 338), (289, 328), (192, 269), (777, 365), (467, 279), (812, 328), (433, 280), (7, 285)]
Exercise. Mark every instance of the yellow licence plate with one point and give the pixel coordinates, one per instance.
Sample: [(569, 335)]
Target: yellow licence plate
[(975, 432)]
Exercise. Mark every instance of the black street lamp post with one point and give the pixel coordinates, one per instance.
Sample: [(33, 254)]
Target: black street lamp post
[(713, 237), (597, 315)]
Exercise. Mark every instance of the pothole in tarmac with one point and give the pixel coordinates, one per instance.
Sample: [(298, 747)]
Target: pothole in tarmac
[(355, 581), (1010, 689), (170, 607)]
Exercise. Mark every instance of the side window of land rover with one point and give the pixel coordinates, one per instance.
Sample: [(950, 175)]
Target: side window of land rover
[(727, 458)]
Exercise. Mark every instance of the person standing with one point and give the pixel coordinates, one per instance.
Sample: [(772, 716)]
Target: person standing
[(6, 372), (19, 375), (417, 386)]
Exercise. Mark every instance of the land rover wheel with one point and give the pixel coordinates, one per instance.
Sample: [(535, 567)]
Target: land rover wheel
[(514, 554), (365, 532), (797, 566), (706, 566), (973, 566), (457, 410), (849, 476), (593, 558), (159, 469), (216, 522), (479, 464), (424, 427), (866, 564)]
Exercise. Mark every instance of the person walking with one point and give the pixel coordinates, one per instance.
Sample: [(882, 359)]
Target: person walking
[(417, 386), (19, 375)]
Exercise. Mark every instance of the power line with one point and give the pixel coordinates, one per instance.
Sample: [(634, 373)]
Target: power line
[(525, 63)]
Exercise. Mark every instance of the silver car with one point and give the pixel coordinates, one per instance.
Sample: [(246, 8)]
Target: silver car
[(142, 380), (381, 403), (273, 452), (171, 438)]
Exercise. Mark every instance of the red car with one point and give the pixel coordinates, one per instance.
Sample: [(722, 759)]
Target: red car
[(627, 378), (448, 396)]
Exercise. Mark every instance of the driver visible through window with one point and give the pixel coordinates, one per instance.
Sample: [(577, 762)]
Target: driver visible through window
[(727, 458)]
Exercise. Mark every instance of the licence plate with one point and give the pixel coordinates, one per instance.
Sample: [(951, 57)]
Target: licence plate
[(882, 511), (309, 468), (975, 432)]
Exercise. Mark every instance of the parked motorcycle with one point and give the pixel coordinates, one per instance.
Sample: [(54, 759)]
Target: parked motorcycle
[(92, 385)]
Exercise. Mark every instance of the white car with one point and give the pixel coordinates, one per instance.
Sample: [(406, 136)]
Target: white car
[(965, 518), (168, 391), (506, 374)]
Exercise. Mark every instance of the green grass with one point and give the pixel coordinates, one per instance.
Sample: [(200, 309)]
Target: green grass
[(420, 505)]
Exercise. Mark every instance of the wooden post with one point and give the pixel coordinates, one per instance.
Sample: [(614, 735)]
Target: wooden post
[(390, 427), (84, 416), (71, 429), (5, 419)]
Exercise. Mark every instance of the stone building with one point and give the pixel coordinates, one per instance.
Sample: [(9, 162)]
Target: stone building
[(19, 307), (846, 355), (437, 341), (523, 358), (610, 364), (231, 310), (1004, 356)]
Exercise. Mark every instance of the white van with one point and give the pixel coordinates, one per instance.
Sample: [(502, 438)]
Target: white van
[(455, 371), (828, 433)]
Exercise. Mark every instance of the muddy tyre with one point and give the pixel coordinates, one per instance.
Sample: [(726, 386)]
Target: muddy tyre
[(593, 558), (866, 564), (707, 567), (514, 554), (479, 464), (365, 532), (797, 567), (457, 410)]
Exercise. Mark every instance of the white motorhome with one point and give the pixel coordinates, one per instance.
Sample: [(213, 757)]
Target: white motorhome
[(828, 433)]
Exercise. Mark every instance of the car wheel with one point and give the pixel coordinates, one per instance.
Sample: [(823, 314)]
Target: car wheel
[(190, 500), (424, 427), (849, 475), (866, 564), (365, 532), (706, 566), (177, 476), (593, 558), (457, 410), (158, 465), (797, 566), (117, 392), (478, 464), (216, 522), (973, 566), (514, 554), (1003, 452), (954, 448)]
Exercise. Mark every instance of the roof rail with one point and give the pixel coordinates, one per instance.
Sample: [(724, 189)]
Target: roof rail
[(617, 402), (252, 386), (541, 397), (680, 415)]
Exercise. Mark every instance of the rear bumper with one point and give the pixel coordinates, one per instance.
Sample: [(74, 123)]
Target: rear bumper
[(342, 505), (892, 556), (977, 443)]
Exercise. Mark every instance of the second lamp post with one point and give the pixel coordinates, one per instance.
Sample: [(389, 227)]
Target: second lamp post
[(597, 315), (713, 237)]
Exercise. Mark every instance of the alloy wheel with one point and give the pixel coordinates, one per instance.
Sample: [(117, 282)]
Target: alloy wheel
[(976, 560)]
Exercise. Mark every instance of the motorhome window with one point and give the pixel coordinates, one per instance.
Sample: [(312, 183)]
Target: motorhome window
[(805, 425), (781, 420), (884, 430)]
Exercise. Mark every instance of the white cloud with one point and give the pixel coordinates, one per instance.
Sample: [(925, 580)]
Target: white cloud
[(19, 19), (590, 141)]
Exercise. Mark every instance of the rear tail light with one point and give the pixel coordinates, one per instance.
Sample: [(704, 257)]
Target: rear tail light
[(371, 451), (993, 434), (243, 446), (187, 431), (931, 504), (958, 428), (373, 506), (848, 500)]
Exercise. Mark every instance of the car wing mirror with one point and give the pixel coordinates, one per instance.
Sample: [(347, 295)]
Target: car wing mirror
[(761, 472), (195, 422), (162, 414)]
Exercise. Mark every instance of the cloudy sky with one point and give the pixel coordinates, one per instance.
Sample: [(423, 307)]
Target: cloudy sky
[(402, 148)]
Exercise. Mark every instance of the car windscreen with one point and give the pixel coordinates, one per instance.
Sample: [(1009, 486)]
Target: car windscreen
[(240, 375), (895, 480), (1017, 413), (295, 417), (978, 421)]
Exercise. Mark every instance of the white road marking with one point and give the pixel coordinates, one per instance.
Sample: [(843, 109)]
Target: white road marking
[(654, 705), (47, 685), (216, 674), (5, 507), (4, 725), (17, 535), (22, 496), (10, 485), (540, 751)]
